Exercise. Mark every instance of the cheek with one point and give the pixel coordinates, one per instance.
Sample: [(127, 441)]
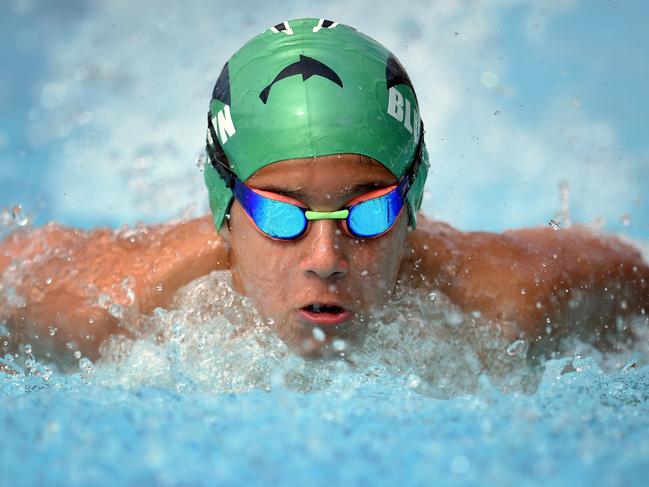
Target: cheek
[(377, 261), (257, 262)]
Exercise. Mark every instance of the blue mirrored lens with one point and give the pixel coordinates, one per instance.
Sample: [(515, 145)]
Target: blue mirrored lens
[(373, 217), (276, 219)]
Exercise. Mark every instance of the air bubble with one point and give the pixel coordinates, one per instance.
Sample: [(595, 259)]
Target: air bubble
[(53, 330), (77, 354)]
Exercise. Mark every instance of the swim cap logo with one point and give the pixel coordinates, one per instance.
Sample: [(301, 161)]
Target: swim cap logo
[(325, 24), (284, 27), (307, 67)]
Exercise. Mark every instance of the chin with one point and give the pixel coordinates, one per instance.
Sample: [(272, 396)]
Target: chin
[(328, 343)]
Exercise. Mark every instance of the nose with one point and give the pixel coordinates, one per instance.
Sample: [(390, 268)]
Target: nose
[(324, 256)]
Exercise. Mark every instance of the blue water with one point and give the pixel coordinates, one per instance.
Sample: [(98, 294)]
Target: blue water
[(102, 119), (581, 428)]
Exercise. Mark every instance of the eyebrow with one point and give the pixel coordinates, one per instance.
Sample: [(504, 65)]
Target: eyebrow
[(301, 195)]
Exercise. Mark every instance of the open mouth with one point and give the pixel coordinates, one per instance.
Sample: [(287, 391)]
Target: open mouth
[(324, 314)]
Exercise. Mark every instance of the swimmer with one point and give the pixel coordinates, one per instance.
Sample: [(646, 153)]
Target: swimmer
[(315, 168)]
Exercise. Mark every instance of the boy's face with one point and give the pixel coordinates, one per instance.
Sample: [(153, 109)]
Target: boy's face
[(285, 279)]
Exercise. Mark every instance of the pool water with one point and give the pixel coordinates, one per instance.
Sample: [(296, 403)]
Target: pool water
[(107, 105), (208, 396)]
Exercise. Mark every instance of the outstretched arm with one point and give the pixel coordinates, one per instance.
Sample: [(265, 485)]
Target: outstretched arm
[(523, 278), (62, 281)]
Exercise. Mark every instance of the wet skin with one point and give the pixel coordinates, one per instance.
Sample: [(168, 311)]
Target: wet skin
[(517, 279), (325, 266)]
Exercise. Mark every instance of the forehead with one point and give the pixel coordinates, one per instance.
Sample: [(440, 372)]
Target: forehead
[(333, 173)]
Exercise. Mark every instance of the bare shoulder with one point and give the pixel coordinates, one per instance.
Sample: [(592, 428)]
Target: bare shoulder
[(530, 275), (57, 275)]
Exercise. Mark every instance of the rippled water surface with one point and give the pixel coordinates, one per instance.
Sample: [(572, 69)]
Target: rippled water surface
[(105, 102), (209, 396)]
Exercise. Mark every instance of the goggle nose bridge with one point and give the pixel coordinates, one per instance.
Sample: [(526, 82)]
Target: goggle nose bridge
[(326, 215)]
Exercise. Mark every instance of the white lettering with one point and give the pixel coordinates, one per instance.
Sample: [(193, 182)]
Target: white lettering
[(406, 120), (225, 125), (395, 104)]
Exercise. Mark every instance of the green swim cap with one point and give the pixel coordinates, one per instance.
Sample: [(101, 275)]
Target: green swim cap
[(309, 88)]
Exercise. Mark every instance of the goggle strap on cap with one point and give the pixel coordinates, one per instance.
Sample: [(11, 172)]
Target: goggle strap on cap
[(213, 152), (416, 160)]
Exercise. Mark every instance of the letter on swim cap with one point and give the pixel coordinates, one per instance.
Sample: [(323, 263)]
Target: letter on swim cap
[(226, 127), (407, 119), (395, 104)]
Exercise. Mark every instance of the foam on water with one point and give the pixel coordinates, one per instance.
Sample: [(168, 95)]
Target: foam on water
[(209, 396), (206, 393)]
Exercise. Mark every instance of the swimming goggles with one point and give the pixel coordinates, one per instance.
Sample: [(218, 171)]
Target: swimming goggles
[(283, 218)]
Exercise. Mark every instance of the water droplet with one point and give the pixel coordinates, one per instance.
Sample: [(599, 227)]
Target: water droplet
[(116, 311), (77, 354), (19, 217), (318, 334), (413, 381), (364, 273), (454, 319), (489, 79), (103, 301), (516, 347), (48, 281), (626, 220), (86, 365), (523, 291), (159, 288), (631, 364)]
